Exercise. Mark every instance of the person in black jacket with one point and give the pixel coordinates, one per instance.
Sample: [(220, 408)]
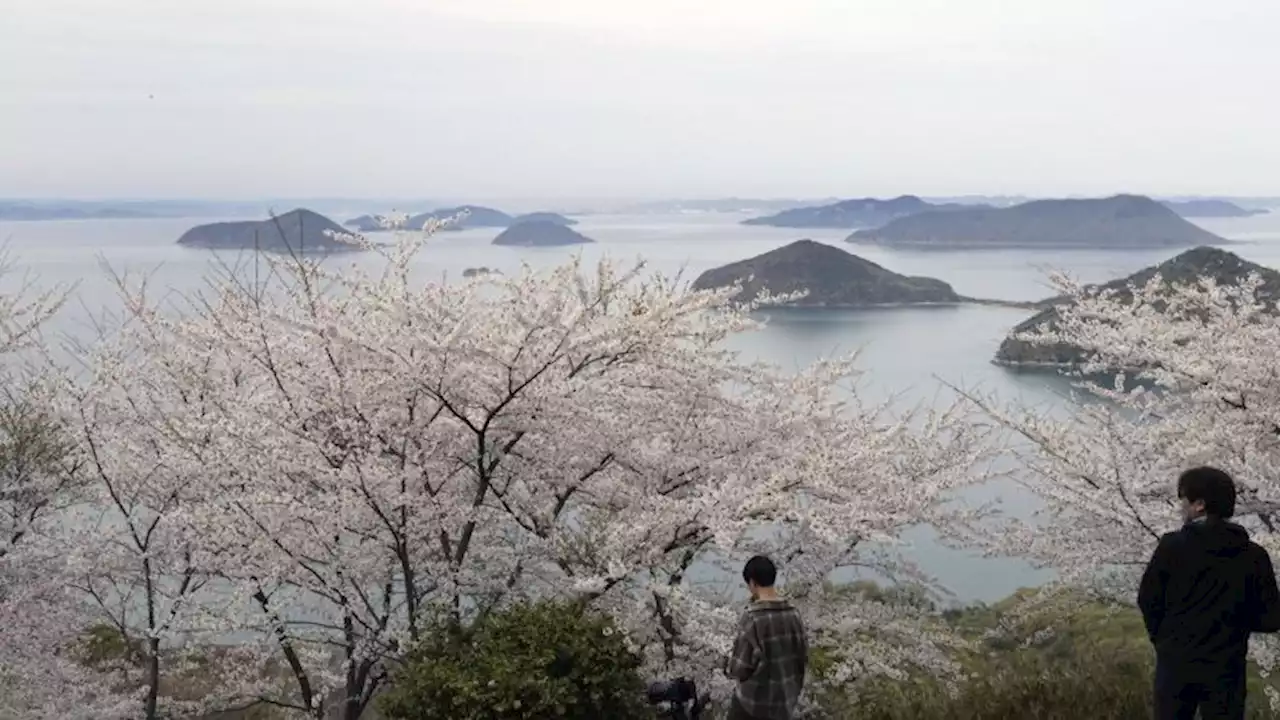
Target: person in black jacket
[(1205, 590)]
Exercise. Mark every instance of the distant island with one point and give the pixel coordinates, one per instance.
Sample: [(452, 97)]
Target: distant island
[(1225, 267), (477, 217), (364, 223), (48, 209), (830, 276), (1210, 209), (540, 233), (556, 218), (849, 214), (699, 206), (1122, 222), (30, 212), (971, 200), (479, 271), (299, 230), (37, 210)]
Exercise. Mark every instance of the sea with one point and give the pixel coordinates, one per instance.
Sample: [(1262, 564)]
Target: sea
[(908, 354)]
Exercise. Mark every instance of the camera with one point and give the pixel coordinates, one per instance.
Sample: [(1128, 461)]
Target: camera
[(678, 699)]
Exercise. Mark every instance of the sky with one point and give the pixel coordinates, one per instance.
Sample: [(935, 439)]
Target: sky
[(637, 98)]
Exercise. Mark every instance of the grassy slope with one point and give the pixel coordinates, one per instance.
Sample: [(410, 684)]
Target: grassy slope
[(1074, 659)]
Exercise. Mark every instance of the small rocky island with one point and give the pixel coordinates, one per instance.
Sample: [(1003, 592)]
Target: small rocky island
[(1122, 222), (1210, 209), (1225, 267), (831, 277), (480, 272), (540, 233), (850, 214), (298, 230)]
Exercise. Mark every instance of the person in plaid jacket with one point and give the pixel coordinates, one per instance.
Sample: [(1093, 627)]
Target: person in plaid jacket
[(770, 652)]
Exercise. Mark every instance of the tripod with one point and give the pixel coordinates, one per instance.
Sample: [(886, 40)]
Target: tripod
[(678, 699)]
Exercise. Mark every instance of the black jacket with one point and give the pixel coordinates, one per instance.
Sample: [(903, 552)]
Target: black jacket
[(1205, 590)]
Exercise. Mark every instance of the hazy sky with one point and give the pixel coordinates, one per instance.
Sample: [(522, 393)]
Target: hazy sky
[(613, 98)]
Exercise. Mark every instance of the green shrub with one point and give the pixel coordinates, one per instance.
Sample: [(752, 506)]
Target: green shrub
[(1096, 663), (1100, 687), (103, 645), (544, 660)]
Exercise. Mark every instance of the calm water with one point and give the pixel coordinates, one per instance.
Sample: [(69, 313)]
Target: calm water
[(905, 351)]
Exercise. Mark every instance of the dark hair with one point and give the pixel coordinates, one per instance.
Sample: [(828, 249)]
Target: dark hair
[(1213, 486), (760, 570)]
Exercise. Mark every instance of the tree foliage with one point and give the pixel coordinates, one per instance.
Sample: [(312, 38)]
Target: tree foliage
[(539, 660)]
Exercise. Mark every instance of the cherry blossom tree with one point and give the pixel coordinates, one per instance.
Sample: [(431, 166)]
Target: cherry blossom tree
[(1179, 374), (132, 559), (40, 628), (41, 674), (324, 463)]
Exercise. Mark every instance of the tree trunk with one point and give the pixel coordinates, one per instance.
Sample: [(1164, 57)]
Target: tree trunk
[(153, 678), (153, 646)]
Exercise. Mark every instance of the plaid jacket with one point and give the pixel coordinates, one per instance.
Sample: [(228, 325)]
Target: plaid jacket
[(769, 659)]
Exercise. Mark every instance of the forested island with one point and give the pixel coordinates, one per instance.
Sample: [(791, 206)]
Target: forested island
[(1122, 222), (299, 230), (850, 214), (829, 276), (1224, 267), (540, 233)]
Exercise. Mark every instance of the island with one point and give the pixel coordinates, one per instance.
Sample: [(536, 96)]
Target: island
[(830, 277), (694, 206), (1210, 209), (299, 230), (1124, 222), (477, 216), (1225, 267), (364, 223), (849, 214), (27, 212), (556, 218), (54, 209), (540, 233), (480, 272)]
